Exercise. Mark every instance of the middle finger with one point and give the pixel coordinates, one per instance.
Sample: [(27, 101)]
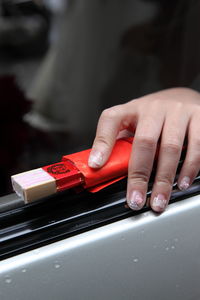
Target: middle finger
[(170, 150)]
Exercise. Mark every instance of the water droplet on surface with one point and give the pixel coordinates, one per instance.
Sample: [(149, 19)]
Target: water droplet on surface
[(8, 279), (172, 247), (135, 260), (24, 270), (56, 265), (167, 248)]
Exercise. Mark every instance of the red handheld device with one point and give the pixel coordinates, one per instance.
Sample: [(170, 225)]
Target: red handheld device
[(73, 171)]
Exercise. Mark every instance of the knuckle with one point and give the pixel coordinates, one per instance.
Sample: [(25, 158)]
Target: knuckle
[(100, 139), (197, 109), (147, 143), (165, 178), (110, 113), (179, 105), (196, 143), (171, 148), (141, 175), (193, 165), (157, 101)]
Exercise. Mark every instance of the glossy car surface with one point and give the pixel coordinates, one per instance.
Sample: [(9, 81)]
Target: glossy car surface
[(144, 256)]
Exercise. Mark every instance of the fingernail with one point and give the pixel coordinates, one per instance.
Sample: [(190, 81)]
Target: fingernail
[(95, 159), (159, 202), (185, 183), (136, 200)]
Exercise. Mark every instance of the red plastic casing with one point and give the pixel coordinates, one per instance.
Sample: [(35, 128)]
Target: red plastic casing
[(65, 174), (74, 171), (115, 169)]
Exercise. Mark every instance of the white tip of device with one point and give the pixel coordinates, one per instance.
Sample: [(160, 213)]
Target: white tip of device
[(33, 185)]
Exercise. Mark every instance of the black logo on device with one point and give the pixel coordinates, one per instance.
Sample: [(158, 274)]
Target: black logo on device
[(58, 169)]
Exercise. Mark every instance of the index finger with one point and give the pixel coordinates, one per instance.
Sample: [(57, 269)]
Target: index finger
[(112, 121)]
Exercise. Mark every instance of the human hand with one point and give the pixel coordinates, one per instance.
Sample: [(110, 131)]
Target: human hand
[(169, 115)]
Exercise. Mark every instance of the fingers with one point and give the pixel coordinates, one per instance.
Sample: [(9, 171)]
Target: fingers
[(110, 123), (142, 157), (167, 115), (191, 164), (170, 150)]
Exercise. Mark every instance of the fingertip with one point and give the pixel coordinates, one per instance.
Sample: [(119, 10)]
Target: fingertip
[(96, 159), (135, 200), (159, 203), (184, 183), (158, 210)]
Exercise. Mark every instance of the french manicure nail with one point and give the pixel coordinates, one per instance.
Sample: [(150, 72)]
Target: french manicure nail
[(159, 202), (95, 159), (185, 183), (136, 200)]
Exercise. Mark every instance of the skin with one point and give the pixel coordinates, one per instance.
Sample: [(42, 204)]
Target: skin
[(168, 116)]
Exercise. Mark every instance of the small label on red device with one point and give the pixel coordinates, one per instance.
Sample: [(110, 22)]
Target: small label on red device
[(66, 175), (59, 168)]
